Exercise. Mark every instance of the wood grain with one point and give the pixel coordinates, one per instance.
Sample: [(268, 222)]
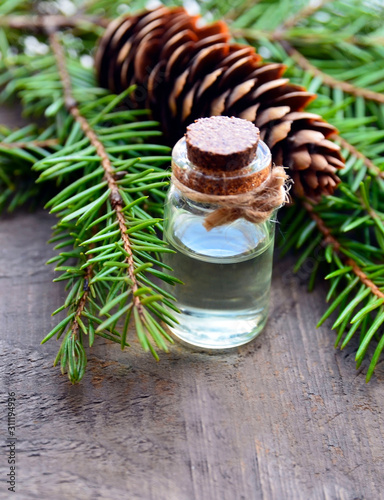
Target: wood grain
[(285, 417)]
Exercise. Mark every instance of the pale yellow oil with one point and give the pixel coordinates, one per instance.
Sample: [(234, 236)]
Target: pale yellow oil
[(226, 272)]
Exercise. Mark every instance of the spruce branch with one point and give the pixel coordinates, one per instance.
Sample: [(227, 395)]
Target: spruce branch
[(304, 38), (82, 302), (56, 22), (285, 32), (304, 13), (359, 308), (348, 227), (112, 177), (329, 80), (30, 144), (115, 197), (19, 150), (325, 231), (374, 169), (364, 278), (114, 242), (329, 238)]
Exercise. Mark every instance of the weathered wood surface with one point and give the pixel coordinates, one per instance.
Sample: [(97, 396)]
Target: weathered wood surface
[(285, 417)]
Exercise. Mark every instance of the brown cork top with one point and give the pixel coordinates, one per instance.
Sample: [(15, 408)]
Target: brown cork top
[(221, 156), (222, 143)]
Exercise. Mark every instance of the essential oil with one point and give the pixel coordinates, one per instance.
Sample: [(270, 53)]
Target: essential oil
[(226, 274), (219, 220)]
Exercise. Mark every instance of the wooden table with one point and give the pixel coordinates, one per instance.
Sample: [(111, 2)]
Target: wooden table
[(285, 417)]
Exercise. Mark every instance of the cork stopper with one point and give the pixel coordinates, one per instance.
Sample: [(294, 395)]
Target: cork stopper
[(222, 143), (222, 156)]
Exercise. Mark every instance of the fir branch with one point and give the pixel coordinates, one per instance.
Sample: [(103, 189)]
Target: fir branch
[(302, 14), (307, 38), (349, 224), (113, 266), (19, 150), (364, 278), (115, 197), (375, 170), (325, 231), (82, 302), (329, 238), (345, 221), (104, 185), (332, 82), (55, 22), (30, 144), (355, 306)]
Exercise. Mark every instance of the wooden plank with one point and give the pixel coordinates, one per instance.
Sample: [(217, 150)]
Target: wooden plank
[(285, 417)]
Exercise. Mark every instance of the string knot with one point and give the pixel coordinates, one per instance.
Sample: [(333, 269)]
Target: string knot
[(255, 206)]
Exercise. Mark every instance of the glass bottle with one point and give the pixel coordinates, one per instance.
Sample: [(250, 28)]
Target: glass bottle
[(226, 270)]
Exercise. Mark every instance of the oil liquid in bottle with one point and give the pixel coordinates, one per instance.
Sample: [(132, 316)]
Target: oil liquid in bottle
[(226, 273)]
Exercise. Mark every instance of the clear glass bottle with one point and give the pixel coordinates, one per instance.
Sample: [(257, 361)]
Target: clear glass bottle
[(227, 270)]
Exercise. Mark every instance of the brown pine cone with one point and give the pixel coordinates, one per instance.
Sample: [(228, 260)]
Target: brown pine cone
[(183, 72)]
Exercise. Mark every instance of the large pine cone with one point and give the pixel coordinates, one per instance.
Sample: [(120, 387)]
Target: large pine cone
[(184, 72)]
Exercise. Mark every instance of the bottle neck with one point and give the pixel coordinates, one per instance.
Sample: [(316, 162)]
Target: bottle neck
[(220, 183), (195, 207)]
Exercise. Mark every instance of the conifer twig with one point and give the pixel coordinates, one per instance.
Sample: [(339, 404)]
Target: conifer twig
[(54, 22), (354, 260), (364, 279), (330, 239), (328, 236), (355, 152), (304, 13), (29, 144), (305, 64), (310, 38), (115, 197), (82, 302)]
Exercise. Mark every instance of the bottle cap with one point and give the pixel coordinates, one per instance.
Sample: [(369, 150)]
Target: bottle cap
[(222, 143)]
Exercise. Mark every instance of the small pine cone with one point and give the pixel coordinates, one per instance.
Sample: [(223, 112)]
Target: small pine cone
[(183, 72)]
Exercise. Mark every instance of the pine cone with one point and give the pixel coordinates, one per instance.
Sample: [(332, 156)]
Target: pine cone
[(183, 72)]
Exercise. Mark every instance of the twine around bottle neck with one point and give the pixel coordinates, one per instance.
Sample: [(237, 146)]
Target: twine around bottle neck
[(256, 205)]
